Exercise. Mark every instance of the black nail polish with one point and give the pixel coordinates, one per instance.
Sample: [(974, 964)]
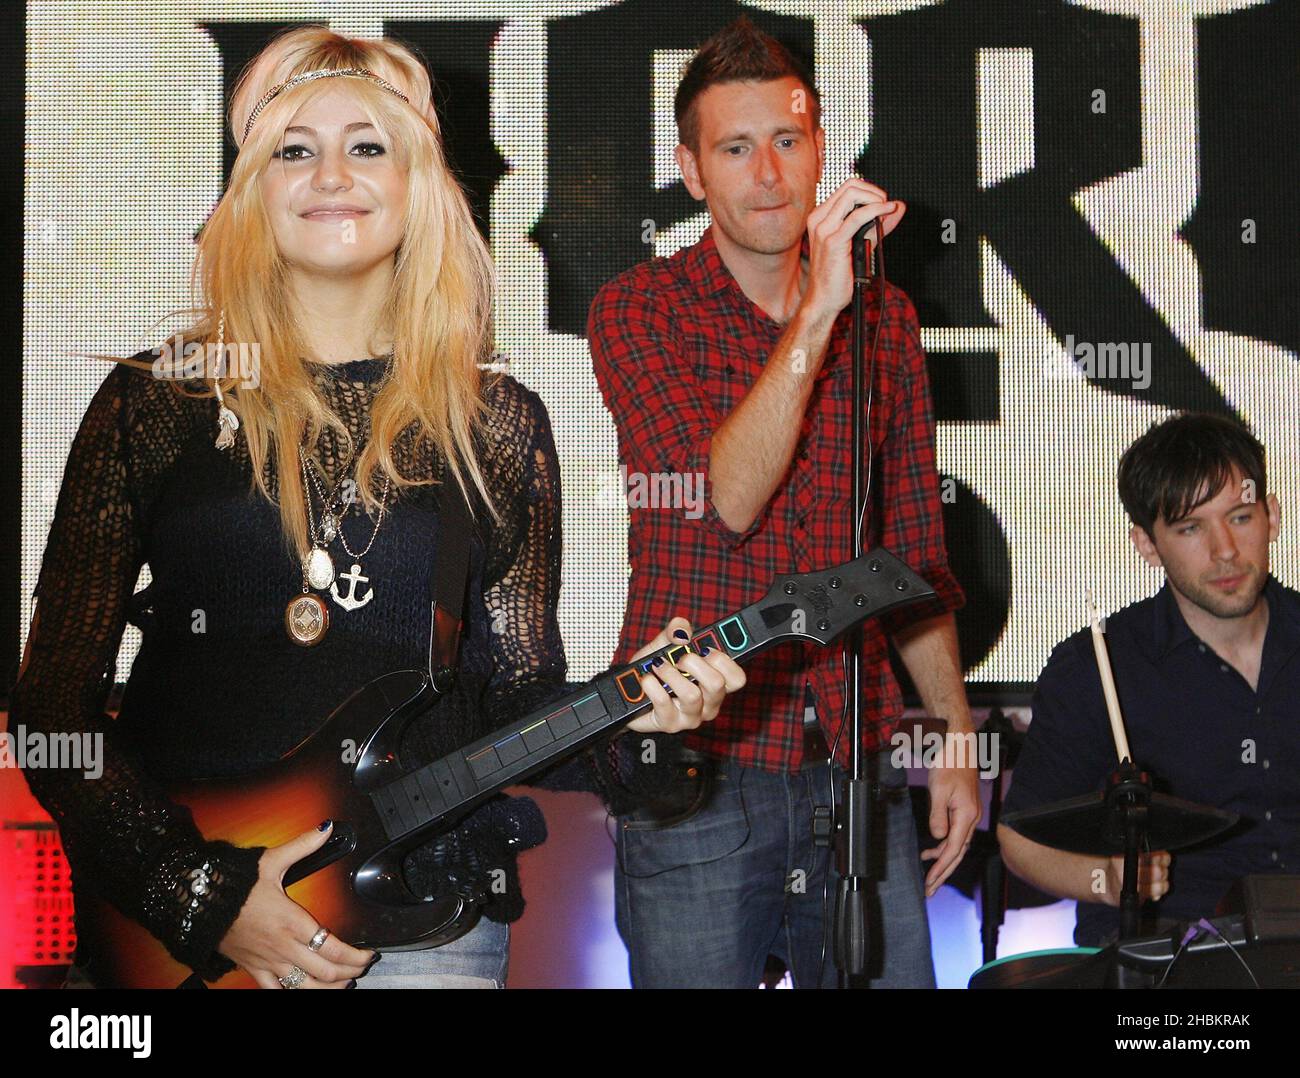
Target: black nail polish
[(658, 662), (681, 634), (705, 650), (324, 825)]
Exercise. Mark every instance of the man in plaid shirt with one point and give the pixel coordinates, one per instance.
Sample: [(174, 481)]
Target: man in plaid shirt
[(728, 366)]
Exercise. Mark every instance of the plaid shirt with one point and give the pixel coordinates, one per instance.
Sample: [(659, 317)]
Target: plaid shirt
[(676, 345)]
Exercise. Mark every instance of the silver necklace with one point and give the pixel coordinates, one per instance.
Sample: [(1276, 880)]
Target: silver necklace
[(307, 616), (318, 566), (331, 527)]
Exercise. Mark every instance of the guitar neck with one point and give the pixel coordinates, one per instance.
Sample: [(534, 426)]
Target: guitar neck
[(811, 607)]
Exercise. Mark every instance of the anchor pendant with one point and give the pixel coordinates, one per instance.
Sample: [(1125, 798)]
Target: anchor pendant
[(349, 601)]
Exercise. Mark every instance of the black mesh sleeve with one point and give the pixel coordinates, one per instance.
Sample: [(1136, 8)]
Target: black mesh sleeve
[(126, 842)]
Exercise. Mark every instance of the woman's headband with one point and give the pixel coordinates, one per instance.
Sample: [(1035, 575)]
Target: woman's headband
[(311, 76)]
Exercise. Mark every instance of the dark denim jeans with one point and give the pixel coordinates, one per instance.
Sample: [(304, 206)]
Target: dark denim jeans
[(701, 903)]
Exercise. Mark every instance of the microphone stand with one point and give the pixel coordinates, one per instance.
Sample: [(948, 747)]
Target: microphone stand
[(850, 925), (993, 890)]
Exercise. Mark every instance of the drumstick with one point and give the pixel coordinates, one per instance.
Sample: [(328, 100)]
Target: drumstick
[(1108, 683)]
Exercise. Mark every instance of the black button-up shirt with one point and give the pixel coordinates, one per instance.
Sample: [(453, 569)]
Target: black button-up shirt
[(1195, 724)]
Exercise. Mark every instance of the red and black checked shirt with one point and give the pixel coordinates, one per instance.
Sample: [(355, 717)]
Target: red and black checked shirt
[(675, 345)]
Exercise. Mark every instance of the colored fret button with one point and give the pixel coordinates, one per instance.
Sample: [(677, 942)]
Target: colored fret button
[(709, 638), (537, 736), (484, 763), (511, 749), (733, 633), (562, 723), (590, 710), (676, 652), (630, 686)]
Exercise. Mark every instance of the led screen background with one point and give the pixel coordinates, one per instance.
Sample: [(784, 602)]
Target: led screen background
[(1090, 172)]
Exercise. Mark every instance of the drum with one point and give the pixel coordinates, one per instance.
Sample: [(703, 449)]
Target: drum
[(1065, 967)]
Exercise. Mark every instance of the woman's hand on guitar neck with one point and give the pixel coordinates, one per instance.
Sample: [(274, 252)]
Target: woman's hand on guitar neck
[(272, 932), (692, 702)]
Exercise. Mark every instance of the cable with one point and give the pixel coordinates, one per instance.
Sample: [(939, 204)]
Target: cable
[(1205, 927), (1213, 930), (1192, 932)]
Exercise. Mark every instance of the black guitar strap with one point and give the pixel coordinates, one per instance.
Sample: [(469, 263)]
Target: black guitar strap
[(447, 580)]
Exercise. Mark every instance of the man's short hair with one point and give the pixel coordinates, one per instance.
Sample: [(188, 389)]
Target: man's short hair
[(1183, 462), (739, 52)]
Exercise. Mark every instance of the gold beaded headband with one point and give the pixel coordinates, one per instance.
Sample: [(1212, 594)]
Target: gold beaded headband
[(311, 76)]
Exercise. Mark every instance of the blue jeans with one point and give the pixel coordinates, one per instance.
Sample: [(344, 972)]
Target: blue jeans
[(703, 902), (479, 959)]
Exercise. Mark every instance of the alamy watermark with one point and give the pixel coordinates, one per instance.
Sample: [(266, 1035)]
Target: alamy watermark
[(25, 748), (207, 362), (664, 490), (916, 747), (1122, 361), (77, 1030)]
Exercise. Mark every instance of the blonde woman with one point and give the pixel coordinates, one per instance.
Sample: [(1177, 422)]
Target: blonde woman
[(346, 252)]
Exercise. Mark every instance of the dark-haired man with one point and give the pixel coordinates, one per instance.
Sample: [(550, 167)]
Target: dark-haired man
[(1208, 676), (729, 364)]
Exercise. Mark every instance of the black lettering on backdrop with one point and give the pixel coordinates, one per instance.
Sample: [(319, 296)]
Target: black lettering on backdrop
[(1249, 169), (457, 52), (925, 147), (599, 139)]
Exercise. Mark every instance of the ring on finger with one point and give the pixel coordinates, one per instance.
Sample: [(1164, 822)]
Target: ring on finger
[(318, 940), (294, 978)]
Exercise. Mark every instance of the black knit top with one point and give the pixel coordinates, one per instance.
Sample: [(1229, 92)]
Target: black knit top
[(218, 688)]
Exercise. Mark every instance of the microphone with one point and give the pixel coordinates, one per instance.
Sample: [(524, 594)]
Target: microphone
[(861, 265)]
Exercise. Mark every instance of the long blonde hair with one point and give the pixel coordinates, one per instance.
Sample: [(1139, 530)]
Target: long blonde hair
[(440, 307)]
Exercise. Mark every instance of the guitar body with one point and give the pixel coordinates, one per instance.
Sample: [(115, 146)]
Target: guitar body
[(350, 772), (353, 886)]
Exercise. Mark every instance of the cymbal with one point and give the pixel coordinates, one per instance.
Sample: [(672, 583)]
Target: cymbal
[(1081, 824), (1077, 967)]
